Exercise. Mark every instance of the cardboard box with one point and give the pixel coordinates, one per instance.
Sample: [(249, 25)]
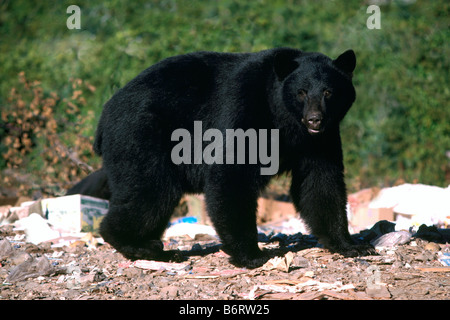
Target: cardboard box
[(364, 217), (273, 210), (75, 213), (197, 208), (268, 209)]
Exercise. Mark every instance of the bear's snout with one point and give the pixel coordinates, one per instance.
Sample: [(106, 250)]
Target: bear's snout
[(313, 122)]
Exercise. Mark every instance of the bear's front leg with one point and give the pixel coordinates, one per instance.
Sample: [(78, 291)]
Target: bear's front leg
[(319, 194), (231, 199)]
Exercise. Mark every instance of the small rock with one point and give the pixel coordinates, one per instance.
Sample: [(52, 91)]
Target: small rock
[(99, 276), (31, 268), (6, 249), (170, 291), (61, 279), (397, 264), (119, 271), (20, 257), (309, 274), (300, 262), (432, 246), (132, 272), (425, 256), (71, 294)]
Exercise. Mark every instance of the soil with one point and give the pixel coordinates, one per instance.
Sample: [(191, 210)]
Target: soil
[(86, 270)]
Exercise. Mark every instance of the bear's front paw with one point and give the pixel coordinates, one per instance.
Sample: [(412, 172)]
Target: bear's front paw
[(357, 250), (250, 262)]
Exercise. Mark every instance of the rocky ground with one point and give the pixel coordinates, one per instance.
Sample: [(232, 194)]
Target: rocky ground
[(87, 270)]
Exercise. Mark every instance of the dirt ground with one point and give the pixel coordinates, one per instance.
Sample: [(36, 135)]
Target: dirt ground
[(86, 270)]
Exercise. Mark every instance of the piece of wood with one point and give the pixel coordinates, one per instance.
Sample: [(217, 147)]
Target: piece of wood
[(434, 269)]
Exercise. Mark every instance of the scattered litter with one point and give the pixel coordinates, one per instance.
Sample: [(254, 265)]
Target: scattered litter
[(311, 285), (432, 233), (184, 220), (31, 268), (161, 266), (424, 204), (293, 225), (36, 228), (190, 229), (90, 241), (392, 239), (75, 213), (280, 263), (413, 263), (444, 258), (383, 227), (407, 205), (227, 273)]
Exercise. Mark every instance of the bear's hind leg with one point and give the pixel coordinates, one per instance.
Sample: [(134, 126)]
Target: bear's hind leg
[(134, 227)]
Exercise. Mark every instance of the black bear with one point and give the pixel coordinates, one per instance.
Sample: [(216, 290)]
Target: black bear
[(299, 96), (94, 185)]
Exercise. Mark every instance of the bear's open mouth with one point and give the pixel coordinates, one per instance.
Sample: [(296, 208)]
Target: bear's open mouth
[(313, 131)]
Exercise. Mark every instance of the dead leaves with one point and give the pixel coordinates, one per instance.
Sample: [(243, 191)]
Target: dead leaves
[(37, 123), (280, 263)]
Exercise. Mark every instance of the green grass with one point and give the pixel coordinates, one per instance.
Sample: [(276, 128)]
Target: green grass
[(397, 129)]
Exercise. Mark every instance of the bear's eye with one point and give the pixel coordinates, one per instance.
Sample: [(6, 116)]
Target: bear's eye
[(301, 93), (327, 93)]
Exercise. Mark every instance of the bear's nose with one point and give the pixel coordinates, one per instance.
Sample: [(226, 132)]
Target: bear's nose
[(314, 120)]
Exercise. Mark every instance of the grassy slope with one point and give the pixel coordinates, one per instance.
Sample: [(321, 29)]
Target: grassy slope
[(398, 127)]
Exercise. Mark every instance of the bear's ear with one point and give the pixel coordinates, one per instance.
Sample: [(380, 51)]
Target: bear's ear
[(284, 63), (346, 62)]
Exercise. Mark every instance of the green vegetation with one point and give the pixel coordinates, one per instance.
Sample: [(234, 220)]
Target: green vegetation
[(398, 129)]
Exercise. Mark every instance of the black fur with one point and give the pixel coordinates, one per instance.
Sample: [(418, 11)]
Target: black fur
[(94, 185), (304, 95)]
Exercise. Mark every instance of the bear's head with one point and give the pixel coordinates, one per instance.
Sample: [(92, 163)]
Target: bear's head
[(316, 90)]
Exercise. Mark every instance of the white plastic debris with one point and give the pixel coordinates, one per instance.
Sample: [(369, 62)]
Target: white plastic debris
[(190, 229), (294, 225), (290, 226), (36, 229), (423, 203), (392, 239)]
